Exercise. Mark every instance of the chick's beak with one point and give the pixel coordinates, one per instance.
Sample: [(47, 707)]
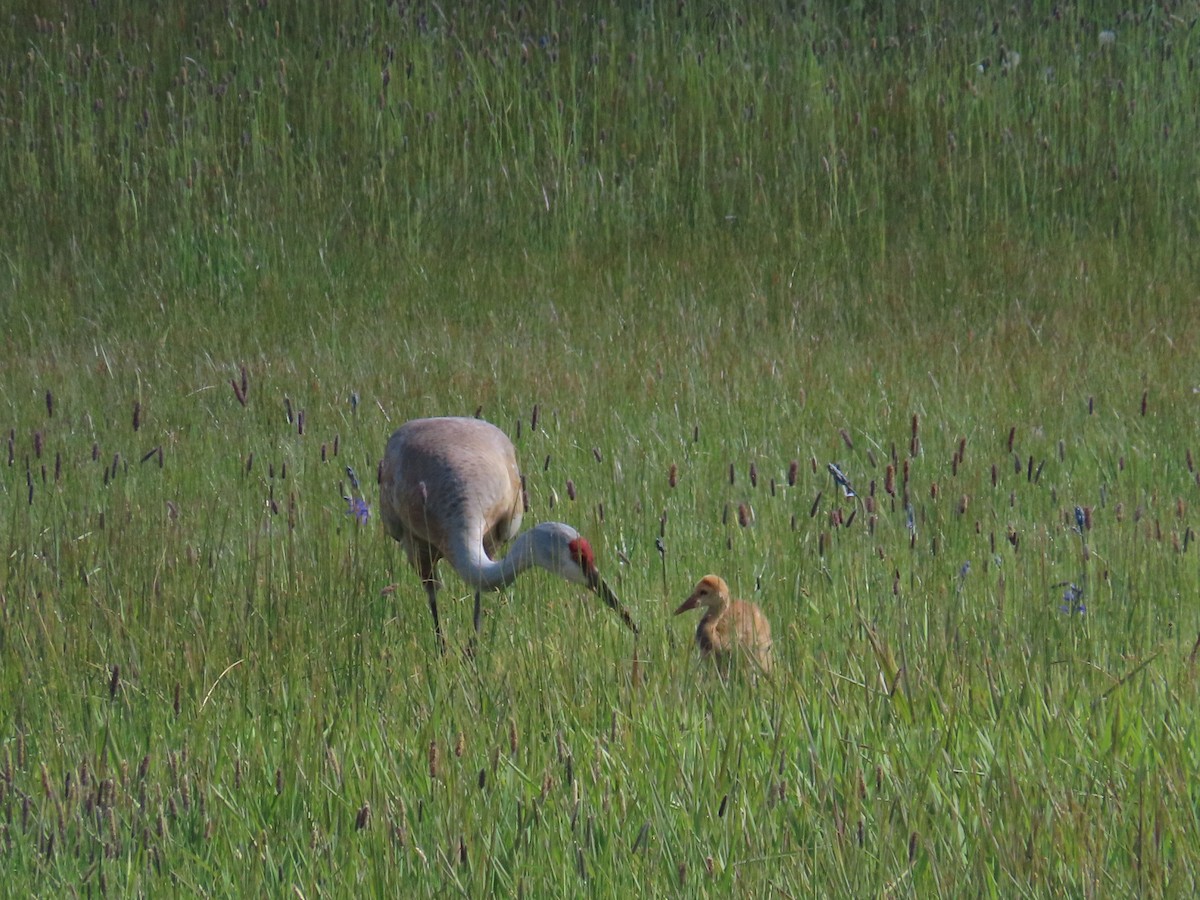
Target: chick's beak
[(689, 603)]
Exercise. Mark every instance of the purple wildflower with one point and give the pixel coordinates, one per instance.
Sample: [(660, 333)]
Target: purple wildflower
[(357, 508), (839, 478), (1072, 599)]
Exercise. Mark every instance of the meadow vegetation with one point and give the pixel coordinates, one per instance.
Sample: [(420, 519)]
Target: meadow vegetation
[(687, 255)]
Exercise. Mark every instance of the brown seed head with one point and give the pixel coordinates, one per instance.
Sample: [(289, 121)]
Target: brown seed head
[(434, 768)]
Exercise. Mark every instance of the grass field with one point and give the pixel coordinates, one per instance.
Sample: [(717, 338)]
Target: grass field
[(687, 256)]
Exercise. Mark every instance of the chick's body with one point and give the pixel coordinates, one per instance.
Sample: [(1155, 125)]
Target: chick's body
[(729, 627)]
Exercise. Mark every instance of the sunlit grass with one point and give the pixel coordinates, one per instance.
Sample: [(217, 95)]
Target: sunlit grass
[(710, 251)]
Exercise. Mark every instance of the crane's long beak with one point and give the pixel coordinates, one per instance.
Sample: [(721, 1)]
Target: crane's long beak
[(600, 586), (689, 603)]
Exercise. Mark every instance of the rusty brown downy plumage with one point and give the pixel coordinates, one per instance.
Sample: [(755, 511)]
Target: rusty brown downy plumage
[(729, 627)]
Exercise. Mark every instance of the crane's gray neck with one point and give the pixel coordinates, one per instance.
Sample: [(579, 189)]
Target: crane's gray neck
[(486, 574)]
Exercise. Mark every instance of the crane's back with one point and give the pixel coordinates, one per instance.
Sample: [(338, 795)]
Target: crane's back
[(447, 477)]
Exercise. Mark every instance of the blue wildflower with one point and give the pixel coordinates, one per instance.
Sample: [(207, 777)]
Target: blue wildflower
[(358, 509), (841, 480), (1072, 599)]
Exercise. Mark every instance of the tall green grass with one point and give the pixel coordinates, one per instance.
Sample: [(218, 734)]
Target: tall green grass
[(245, 243)]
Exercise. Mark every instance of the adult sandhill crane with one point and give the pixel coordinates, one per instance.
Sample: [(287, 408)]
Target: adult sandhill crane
[(450, 488), (729, 626)]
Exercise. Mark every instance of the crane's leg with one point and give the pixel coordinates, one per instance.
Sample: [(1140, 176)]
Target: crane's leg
[(426, 564), (475, 637), (431, 590)]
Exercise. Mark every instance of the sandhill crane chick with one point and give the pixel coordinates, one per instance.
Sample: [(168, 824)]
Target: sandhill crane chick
[(450, 488), (729, 626)]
